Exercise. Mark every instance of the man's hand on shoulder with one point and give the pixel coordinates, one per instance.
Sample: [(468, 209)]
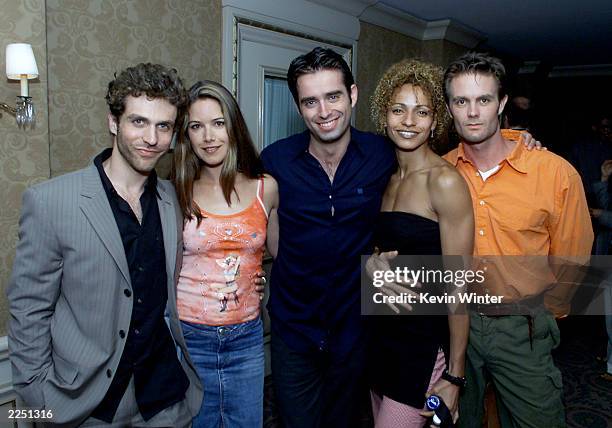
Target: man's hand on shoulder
[(530, 142)]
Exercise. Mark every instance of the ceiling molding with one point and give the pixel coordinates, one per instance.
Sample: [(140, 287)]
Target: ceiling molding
[(352, 7), (393, 19), (446, 29), (299, 18), (303, 16)]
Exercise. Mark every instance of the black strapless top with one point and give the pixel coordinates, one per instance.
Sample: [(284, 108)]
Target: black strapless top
[(408, 233), (403, 348)]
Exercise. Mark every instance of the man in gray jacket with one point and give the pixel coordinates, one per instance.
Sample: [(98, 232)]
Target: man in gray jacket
[(94, 275)]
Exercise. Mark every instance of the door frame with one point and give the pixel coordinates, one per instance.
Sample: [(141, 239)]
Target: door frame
[(287, 23), (258, 66), (299, 18)]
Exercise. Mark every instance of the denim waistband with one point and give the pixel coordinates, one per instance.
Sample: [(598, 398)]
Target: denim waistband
[(223, 330)]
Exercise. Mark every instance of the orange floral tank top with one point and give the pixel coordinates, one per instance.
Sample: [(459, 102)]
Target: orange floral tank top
[(220, 259)]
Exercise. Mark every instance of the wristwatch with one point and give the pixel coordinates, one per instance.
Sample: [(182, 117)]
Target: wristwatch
[(455, 380)]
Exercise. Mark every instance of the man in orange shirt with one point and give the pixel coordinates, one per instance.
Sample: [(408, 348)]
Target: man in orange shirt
[(526, 203)]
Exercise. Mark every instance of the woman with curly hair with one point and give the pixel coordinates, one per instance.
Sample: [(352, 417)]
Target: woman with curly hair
[(426, 210), (226, 202)]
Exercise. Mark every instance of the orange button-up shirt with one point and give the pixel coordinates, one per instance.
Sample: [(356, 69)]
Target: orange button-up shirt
[(534, 205)]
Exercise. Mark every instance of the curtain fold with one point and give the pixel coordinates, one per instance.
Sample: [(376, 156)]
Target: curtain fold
[(281, 118)]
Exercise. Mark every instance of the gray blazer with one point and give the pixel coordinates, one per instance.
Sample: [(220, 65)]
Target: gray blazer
[(68, 295)]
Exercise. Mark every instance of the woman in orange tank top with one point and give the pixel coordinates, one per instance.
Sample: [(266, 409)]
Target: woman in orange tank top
[(226, 202)]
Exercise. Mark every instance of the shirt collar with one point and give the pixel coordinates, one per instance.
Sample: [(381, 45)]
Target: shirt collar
[(150, 184), (357, 138), (516, 158), (300, 144), (303, 141)]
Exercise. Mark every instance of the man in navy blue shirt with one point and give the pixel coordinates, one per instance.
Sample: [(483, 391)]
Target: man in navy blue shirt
[(331, 179)]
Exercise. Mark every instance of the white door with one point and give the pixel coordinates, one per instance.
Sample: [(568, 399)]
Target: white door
[(263, 59)]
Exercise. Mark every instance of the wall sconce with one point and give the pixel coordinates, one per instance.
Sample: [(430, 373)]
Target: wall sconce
[(21, 65)]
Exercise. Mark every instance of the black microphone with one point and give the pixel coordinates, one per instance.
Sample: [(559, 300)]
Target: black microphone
[(442, 416)]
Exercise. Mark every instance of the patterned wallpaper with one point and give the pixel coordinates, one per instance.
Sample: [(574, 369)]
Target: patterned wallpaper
[(24, 155), (83, 42), (90, 40), (378, 48), (441, 52)]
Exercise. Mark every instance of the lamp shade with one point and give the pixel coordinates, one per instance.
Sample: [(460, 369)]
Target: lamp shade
[(20, 60)]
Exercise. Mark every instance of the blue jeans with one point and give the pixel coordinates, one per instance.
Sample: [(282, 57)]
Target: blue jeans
[(230, 362)]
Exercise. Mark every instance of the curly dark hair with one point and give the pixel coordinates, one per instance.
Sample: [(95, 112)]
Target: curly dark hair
[(426, 76), (152, 80)]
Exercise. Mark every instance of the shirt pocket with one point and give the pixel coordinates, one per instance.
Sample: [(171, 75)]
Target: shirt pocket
[(524, 233), (359, 203)]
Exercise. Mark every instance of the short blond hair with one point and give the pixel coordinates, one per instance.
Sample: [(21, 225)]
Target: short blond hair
[(426, 76)]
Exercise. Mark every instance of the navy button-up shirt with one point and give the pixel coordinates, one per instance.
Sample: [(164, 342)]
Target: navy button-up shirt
[(324, 229)]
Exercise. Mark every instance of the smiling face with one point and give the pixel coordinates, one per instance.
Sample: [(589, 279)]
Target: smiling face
[(207, 132), (326, 105), (143, 133), (410, 117), (475, 106)]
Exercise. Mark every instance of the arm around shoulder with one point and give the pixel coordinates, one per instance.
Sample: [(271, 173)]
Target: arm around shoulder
[(32, 294)]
